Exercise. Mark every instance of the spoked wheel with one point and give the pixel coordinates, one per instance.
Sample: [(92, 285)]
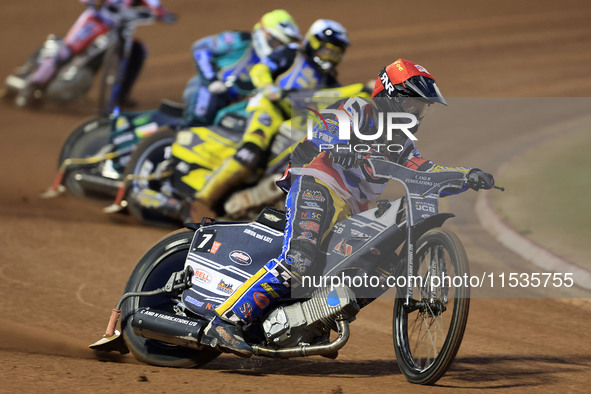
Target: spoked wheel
[(152, 272), (89, 139), (429, 330), (150, 157)]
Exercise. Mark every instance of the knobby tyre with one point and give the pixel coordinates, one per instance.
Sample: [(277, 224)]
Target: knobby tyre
[(152, 272), (428, 332), (145, 159), (89, 139)]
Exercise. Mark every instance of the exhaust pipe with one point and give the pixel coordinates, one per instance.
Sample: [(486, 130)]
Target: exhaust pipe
[(168, 327), (98, 184), (308, 350), (187, 332)]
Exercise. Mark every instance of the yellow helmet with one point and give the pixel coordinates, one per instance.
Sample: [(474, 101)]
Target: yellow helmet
[(274, 29)]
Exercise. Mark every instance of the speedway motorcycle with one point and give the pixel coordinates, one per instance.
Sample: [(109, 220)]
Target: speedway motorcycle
[(92, 160), (109, 52), (158, 172), (170, 295), (149, 154)]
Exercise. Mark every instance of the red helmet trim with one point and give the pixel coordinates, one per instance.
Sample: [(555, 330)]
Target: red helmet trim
[(397, 73)]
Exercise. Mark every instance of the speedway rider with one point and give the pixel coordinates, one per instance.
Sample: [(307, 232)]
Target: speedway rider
[(329, 186), (99, 17), (286, 69), (223, 62)]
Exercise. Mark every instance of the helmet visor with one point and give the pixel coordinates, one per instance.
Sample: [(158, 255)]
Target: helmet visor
[(413, 106), (330, 53)]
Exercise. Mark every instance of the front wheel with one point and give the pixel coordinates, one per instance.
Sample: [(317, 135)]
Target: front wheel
[(149, 157), (428, 330), (89, 139), (152, 272)]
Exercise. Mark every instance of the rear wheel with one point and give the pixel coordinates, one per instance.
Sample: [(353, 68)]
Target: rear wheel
[(89, 139), (429, 330), (152, 272)]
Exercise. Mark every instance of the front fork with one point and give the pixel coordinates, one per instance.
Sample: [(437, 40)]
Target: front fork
[(410, 253)]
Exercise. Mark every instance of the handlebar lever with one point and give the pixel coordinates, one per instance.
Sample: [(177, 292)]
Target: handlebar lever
[(499, 188)]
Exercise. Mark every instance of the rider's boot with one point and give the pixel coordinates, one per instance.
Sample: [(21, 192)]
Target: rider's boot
[(221, 181), (165, 205), (30, 96), (248, 302), (227, 337)]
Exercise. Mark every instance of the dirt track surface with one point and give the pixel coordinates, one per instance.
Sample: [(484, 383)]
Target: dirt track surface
[(63, 263)]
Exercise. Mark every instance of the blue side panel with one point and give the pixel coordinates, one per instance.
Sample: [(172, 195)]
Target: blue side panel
[(223, 257)]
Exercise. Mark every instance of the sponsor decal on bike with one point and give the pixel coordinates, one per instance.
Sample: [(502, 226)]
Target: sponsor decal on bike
[(269, 289), (343, 248), (246, 310), (141, 120), (260, 299), (240, 257), (215, 247), (426, 208), (256, 235), (121, 123), (357, 233), (193, 301), (123, 138), (146, 130), (308, 225), (210, 306), (313, 195), (271, 218), (224, 287), (202, 276)]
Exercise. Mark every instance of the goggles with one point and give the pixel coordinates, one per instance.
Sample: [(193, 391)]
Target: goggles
[(330, 53), (413, 106)]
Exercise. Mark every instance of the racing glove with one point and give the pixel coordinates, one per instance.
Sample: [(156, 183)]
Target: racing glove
[(272, 92), (478, 179), (217, 87), (344, 156)]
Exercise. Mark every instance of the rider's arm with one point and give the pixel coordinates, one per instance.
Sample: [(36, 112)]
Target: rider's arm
[(268, 68), (207, 50), (260, 75), (203, 56), (415, 161)]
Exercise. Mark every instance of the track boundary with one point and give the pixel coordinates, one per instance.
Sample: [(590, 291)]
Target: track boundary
[(511, 239)]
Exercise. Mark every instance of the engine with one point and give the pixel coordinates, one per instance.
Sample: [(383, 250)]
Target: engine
[(302, 322)]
